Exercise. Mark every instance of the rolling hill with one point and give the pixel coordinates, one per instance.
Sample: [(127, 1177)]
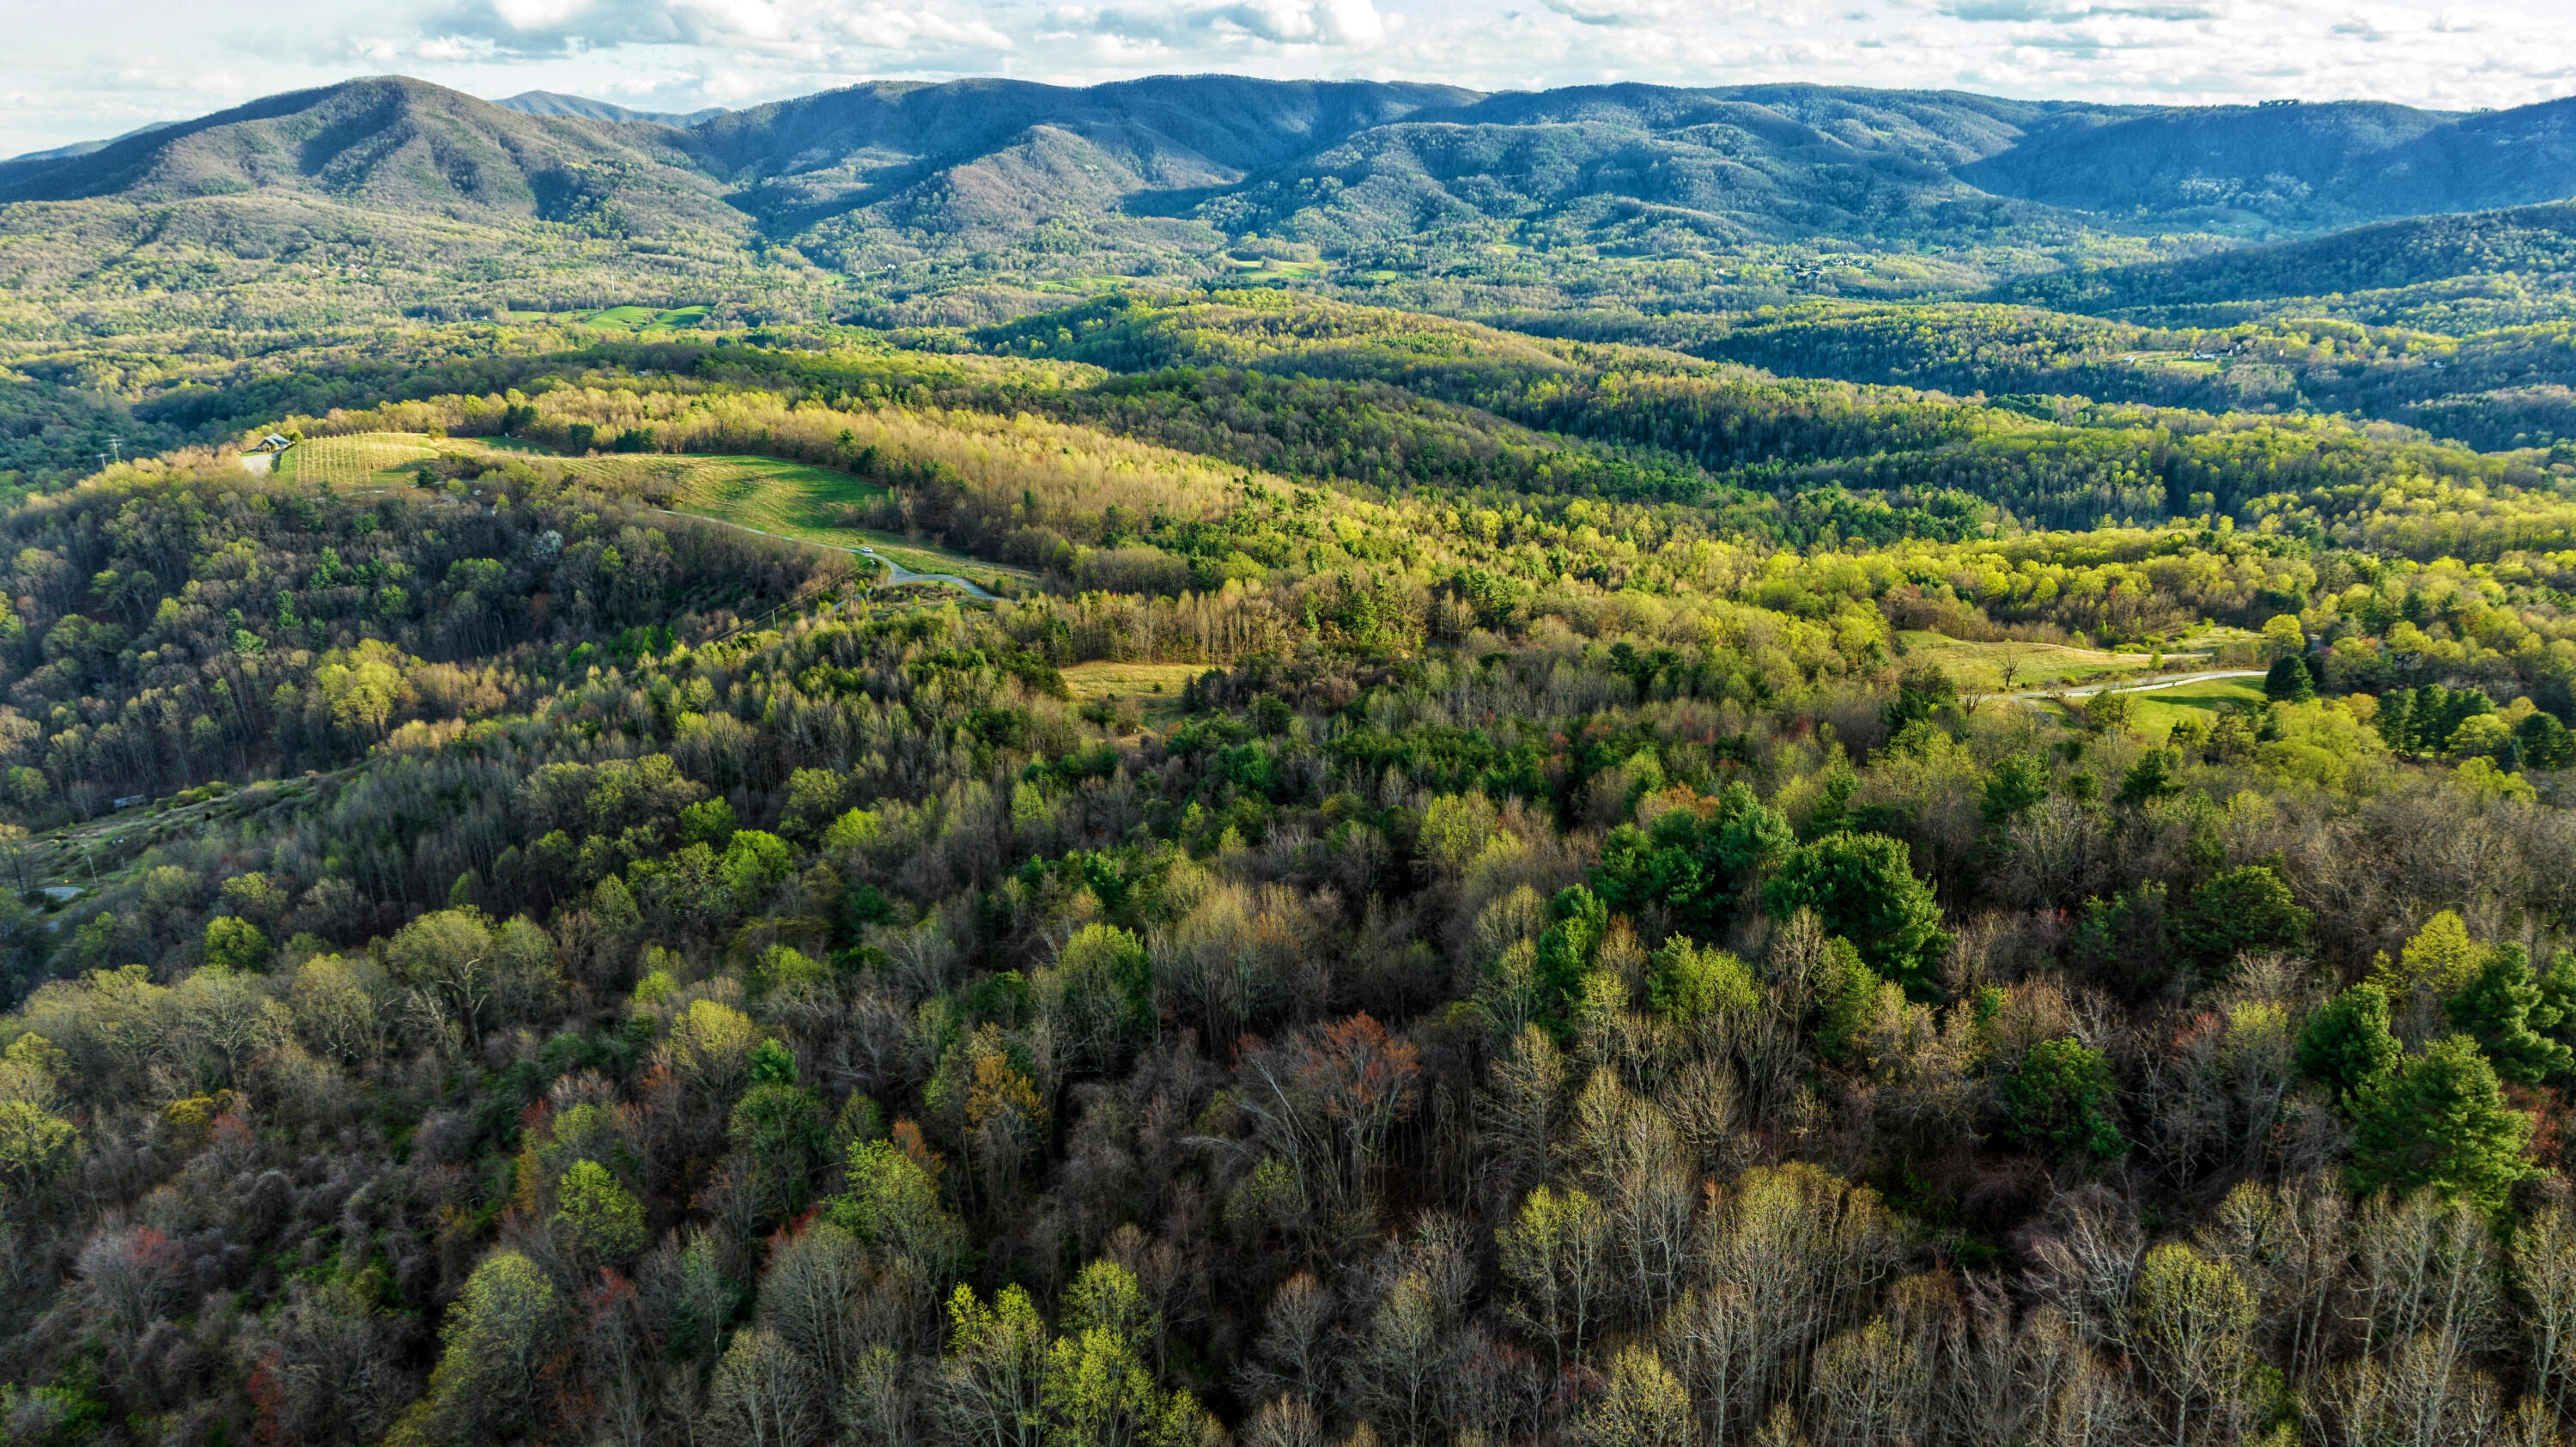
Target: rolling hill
[(2376, 272)]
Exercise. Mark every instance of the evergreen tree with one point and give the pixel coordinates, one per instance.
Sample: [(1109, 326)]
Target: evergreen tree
[(2347, 1042), (2504, 1007), (1863, 888), (2246, 908), (2440, 1120), (2288, 681), (2060, 1097)]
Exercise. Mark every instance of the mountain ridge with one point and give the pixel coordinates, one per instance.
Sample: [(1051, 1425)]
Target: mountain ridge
[(390, 142), (556, 103), (1774, 160)]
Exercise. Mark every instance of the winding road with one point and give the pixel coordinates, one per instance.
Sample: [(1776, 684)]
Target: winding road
[(895, 572), (2178, 680)]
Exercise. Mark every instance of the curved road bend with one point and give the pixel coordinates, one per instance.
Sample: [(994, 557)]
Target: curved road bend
[(2176, 681), (895, 572)]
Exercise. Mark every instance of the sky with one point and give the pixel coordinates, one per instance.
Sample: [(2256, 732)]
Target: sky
[(96, 68)]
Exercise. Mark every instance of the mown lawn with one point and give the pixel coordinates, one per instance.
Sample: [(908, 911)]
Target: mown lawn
[(2159, 711), (354, 460)]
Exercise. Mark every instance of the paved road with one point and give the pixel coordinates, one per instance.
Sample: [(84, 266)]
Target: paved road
[(2177, 681), (895, 572)]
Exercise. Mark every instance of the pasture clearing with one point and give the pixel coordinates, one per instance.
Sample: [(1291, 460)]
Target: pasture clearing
[(357, 460)]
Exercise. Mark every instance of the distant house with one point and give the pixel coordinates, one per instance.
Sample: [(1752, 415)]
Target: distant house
[(272, 443)]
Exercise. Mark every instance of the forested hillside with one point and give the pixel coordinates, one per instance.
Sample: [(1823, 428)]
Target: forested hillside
[(1470, 887)]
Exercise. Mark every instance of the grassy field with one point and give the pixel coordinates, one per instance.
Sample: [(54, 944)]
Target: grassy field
[(355, 460), (1982, 667), (1156, 687), (789, 499), (2159, 711), (642, 318)]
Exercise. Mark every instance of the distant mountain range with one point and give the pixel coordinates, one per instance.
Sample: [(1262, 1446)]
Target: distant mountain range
[(83, 148), (1931, 192), (551, 103)]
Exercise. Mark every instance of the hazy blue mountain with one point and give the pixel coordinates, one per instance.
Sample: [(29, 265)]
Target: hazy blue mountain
[(1621, 164), (1360, 163), (862, 146), (554, 103), (2293, 167), (83, 148)]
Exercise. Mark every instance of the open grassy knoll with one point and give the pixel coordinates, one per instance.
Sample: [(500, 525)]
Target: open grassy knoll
[(788, 499), (354, 460), (2002, 667), (2159, 711), (1154, 687)]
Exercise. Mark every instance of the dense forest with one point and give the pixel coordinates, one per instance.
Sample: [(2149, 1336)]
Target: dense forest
[(1469, 888)]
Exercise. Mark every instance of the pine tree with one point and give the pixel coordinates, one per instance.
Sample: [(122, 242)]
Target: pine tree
[(2347, 1042), (2502, 1006), (2440, 1120)]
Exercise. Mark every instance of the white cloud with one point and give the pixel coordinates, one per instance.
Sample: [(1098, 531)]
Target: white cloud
[(1233, 23), (554, 27), (1617, 12)]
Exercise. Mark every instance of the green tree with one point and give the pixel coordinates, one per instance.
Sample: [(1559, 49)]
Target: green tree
[(2440, 1120), (2107, 712), (2246, 908), (2288, 681), (1693, 862), (234, 943), (2193, 1324), (2017, 785), (1104, 979), (2540, 741), (709, 822), (36, 1145), (1863, 888), (1557, 1255), (2347, 1043), (1850, 999), (1642, 1405), (500, 1334), (2505, 1008), (1688, 982), (754, 863), (1097, 1390), (770, 1063), (781, 1128), (598, 1217), (893, 1207), (2150, 778), (995, 1369), (1577, 920), (2060, 1097), (2439, 961)]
